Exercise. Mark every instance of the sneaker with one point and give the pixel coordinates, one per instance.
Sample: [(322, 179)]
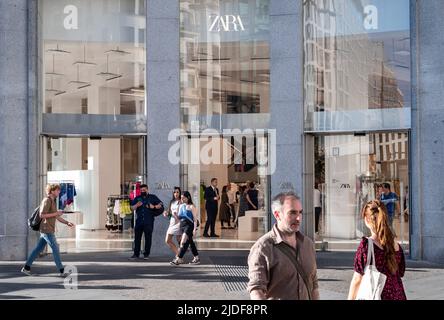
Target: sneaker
[(195, 261), (133, 257), (145, 257), (27, 272), (63, 274), (177, 261)]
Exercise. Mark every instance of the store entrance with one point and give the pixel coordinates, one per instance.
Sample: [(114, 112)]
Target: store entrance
[(98, 178), (348, 172), (238, 165)]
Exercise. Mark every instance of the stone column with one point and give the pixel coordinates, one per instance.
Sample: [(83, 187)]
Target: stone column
[(18, 124), (286, 96), (427, 142), (163, 104)]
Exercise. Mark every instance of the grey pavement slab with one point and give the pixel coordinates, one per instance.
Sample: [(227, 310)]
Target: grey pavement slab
[(222, 275)]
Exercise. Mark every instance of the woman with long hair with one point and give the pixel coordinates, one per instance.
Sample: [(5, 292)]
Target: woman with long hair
[(188, 224), (174, 228), (389, 256)]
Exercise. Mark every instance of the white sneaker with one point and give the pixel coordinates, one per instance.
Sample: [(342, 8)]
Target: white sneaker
[(27, 272), (196, 260), (177, 261)]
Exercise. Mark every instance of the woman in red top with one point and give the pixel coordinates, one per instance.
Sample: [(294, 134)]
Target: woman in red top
[(389, 256)]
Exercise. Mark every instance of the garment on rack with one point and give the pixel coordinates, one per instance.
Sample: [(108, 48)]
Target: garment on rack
[(118, 208), (67, 194), (135, 192)]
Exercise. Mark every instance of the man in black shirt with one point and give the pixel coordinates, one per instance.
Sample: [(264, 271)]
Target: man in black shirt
[(147, 207)]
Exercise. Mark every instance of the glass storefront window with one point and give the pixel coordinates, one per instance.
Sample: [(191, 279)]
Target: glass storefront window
[(224, 62), (93, 55), (348, 172), (357, 65)]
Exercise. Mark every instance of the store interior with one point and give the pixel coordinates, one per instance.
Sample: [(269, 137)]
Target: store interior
[(348, 171), (98, 179), (237, 169)]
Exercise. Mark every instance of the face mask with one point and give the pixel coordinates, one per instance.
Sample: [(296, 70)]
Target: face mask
[(143, 194)]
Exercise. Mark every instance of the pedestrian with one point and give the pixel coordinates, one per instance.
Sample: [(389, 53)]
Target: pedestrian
[(390, 200), (189, 223), (232, 200), (252, 197), (225, 209), (147, 207), (211, 203), (174, 228), (243, 204), (389, 256), (379, 191), (282, 263), (317, 206), (49, 215)]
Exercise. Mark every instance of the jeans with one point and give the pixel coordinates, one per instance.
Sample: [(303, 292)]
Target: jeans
[(50, 239), (139, 230)]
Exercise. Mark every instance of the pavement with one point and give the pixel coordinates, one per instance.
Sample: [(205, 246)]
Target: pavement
[(222, 275)]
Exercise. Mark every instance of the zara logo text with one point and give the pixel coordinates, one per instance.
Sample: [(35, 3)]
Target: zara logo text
[(225, 23)]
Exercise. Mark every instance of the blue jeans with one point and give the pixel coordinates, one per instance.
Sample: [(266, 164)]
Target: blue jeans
[(50, 239)]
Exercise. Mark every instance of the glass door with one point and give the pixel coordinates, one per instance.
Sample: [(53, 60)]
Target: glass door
[(349, 171)]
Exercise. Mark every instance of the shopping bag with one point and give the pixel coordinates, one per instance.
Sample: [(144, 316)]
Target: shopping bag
[(373, 281)]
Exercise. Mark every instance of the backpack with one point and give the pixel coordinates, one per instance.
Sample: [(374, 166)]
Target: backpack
[(35, 220)]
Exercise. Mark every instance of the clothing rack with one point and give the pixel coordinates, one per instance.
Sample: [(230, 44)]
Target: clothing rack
[(117, 222), (119, 197)]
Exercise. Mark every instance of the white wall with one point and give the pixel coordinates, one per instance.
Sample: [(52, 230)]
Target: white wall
[(340, 175), (104, 160)]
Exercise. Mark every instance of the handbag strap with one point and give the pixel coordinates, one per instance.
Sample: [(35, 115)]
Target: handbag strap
[(290, 253), (370, 253)]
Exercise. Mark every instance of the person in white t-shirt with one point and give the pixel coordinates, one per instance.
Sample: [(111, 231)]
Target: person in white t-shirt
[(174, 228)]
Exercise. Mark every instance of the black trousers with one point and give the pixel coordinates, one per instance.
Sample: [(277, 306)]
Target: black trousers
[(211, 222), (139, 230), (317, 216), (187, 227)]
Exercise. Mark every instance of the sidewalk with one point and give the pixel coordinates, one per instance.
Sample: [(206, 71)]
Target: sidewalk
[(221, 276)]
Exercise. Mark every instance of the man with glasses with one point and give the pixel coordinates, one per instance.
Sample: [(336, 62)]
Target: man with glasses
[(285, 253)]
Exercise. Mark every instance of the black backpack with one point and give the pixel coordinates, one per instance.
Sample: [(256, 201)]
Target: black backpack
[(35, 220)]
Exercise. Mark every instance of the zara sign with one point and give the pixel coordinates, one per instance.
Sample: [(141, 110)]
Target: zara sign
[(226, 23)]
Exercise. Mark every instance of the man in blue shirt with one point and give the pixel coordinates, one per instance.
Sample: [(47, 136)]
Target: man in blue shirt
[(147, 207), (390, 200)]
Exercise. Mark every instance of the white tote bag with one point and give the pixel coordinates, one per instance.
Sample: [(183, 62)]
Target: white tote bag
[(373, 281)]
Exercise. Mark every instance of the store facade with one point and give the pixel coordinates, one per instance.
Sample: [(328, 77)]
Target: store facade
[(287, 94)]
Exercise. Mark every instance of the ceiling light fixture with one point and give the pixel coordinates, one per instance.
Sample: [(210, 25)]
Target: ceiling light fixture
[(53, 73), (81, 83), (57, 50), (118, 51), (116, 77), (84, 59), (52, 90), (107, 73)]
